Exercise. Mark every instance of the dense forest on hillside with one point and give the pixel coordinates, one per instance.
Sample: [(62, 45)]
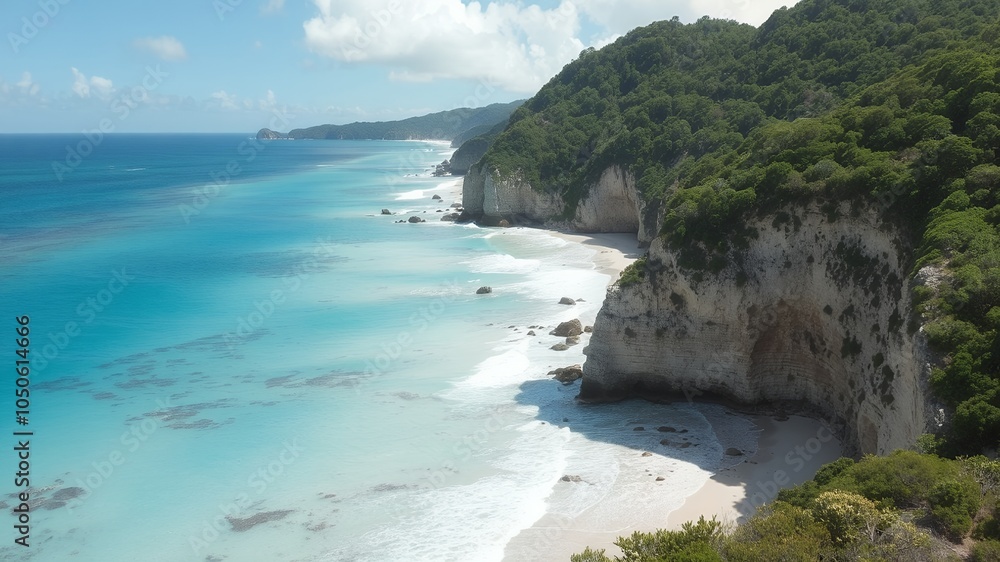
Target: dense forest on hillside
[(893, 106), (443, 125)]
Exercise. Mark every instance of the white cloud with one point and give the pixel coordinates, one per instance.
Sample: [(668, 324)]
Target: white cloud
[(272, 6), (514, 46), (268, 103), (26, 84), (164, 47), (225, 100), (84, 87)]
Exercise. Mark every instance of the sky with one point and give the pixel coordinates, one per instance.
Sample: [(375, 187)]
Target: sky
[(240, 65)]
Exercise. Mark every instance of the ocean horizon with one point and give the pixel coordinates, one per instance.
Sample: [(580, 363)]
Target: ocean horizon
[(236, 355)]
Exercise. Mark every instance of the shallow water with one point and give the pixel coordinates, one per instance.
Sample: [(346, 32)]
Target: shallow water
[(268, 368)]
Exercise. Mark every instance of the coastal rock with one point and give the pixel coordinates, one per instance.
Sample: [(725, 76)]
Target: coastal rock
[(559, 347), (588, 329), (811, 316), (665, 429), (566, 300), (647, 454), (660, 479), (568, 328), (734, 452), (450, 217), (573, 478), (246, 523), (414, 220), (567, 375), (638, 428), (268, 134), (437, 197), (386, 212), (484, 290), (531, 332), (442, 169), (572, 340)]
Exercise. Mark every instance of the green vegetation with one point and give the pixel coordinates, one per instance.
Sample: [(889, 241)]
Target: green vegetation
[(879, 508), (444, 125), (633, 273), (884, 105)]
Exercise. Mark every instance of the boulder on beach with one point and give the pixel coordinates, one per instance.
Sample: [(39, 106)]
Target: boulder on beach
[(734, 452), (567, 375), (568, 328), (436, 197), (588, 329), (559, 347), (566, 300), (504, 223), (531, 332), (571, 478), (415, 219), (456, 205), (386, 212), (484, 290), (450, 217)]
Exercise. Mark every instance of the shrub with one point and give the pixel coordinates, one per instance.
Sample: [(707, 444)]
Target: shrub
[(692, 543), (986, 551), (779, 531), (901, 479), (634, 273), (954, 502)]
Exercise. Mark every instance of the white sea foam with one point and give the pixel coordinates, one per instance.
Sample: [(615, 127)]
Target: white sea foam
[(410, 195)]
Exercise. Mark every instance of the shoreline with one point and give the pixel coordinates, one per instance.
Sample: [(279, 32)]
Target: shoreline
[(789, 450)]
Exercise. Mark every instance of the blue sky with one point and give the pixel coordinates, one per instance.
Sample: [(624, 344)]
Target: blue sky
[(239, 65)]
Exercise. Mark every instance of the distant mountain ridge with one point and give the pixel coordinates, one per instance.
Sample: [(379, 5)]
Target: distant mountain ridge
[(443, 125)]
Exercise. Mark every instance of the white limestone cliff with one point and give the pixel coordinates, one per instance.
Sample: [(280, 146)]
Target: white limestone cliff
[(811, 317)]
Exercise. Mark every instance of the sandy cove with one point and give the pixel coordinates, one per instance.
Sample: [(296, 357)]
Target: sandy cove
[(789, 451)]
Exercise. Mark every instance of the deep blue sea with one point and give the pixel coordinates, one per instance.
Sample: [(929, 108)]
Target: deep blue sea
[(236, 356)]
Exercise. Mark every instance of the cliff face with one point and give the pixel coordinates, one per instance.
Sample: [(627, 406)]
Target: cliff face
[(812, 316), (612, 204)]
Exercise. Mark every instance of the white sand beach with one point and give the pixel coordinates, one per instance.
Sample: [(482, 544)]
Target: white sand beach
[(788, 452)]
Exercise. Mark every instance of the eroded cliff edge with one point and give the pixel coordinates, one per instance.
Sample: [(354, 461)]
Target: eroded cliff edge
[(611, 204), (812, 316)]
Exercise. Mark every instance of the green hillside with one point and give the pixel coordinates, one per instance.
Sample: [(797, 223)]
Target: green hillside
[(443, 125), (883, 103), (888, 105)]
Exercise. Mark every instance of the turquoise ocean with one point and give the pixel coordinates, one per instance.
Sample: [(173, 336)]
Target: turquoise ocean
[(236, 356)]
